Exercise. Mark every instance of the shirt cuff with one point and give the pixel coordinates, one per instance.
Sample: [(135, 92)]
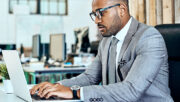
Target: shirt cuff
[(59, 83), (81, 94)]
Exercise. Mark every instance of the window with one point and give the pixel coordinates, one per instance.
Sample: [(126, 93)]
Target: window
[(44, 7)]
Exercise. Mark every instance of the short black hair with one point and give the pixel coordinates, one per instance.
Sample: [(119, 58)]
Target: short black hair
[(126, 2)]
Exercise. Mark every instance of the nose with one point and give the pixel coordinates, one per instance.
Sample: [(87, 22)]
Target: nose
[(98, 20)]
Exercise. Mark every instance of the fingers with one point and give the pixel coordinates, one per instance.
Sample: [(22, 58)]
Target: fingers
[(43, 88), (34, 89), (37, 87), (53, 88), (50, 94), (47, 90), (56, 90)]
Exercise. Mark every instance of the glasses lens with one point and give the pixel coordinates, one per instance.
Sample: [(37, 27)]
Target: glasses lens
[(93, 17), (95, 14), (98, 14)]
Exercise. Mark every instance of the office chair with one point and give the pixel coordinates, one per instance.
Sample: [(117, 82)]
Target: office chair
[(82, 39), (94, 47), (171, 35)]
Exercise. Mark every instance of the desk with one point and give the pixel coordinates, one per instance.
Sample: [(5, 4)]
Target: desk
[(13, 98), (9, 97), (41, 70)]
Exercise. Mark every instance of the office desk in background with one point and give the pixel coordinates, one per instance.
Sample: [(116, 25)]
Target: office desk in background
[(35, 71)]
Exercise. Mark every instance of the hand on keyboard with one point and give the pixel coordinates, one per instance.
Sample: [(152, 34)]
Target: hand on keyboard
[(47, 90)]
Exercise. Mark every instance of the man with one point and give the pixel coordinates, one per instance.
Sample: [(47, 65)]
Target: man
[(131, 62)]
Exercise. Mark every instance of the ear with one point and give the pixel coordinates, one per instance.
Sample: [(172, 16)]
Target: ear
[(121, 10)]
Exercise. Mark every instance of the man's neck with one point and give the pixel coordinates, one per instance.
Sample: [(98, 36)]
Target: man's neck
[(125, 21)]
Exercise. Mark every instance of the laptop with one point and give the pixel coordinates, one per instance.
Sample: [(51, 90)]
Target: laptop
[(15, 70)]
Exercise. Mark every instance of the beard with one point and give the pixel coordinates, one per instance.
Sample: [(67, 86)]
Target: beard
[(114, 28)]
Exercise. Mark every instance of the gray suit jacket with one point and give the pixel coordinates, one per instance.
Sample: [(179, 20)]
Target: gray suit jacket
[(144, 71)]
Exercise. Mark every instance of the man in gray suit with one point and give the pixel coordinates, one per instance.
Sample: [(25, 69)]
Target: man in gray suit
[(132, 62)]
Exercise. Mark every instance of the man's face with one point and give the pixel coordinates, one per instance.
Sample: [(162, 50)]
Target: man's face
[(110, 22)]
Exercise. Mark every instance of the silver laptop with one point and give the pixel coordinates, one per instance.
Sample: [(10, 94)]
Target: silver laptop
[(17, 77)]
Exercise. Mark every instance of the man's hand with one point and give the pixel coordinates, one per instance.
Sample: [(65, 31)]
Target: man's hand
[(47, 90), (40, 87), (58, 91)]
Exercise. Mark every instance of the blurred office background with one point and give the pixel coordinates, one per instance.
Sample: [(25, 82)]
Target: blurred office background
[(20, 19), (49, 33)]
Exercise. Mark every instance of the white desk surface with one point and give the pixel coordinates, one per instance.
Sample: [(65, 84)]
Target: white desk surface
[(13, 98), (8, 97)]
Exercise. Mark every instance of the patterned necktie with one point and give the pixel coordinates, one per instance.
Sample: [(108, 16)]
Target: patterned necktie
[(112, 61)]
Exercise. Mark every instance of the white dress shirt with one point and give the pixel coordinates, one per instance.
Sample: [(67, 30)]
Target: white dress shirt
[(120, 36)]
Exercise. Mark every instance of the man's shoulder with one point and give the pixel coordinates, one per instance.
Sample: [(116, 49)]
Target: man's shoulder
[(146, 30), (147, 35)]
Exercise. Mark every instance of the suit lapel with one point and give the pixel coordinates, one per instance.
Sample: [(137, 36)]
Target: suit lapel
[(105, 55), (128, 38)]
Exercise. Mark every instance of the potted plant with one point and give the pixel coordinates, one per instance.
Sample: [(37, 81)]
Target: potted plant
[(6, 80)]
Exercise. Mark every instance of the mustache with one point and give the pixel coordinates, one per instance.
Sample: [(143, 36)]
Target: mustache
[(101, 26)]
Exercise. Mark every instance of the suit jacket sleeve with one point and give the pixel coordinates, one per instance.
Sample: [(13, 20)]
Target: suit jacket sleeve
[(92, 75), (150, 54)]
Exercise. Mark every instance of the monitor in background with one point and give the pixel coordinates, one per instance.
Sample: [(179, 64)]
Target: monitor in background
[(82, 39), (45, 50), (36, 45), (58, 47), (7, 47)]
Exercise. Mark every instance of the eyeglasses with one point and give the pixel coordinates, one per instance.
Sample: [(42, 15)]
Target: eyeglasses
[(99, 12)]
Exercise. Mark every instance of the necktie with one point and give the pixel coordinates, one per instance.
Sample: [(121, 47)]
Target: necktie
[(112, 61)]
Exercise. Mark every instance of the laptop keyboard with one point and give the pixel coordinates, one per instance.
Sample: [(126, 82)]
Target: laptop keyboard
[(36, 97)]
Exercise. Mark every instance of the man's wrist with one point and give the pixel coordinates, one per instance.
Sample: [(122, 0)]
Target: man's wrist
[(78, 93)]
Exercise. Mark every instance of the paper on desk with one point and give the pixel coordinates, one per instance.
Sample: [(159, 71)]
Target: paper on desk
[(30, 86), (2, 88)]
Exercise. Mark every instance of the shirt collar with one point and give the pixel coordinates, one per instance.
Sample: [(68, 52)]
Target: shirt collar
[(123, 32)]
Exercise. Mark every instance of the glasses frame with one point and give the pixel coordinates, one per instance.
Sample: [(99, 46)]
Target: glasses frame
[(99, 12)]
